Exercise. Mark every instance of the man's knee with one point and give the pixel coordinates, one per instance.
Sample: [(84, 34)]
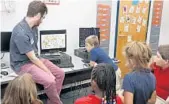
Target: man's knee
[(62, 73)]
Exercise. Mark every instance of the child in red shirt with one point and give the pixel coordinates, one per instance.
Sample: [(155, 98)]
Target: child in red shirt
[(103, 83), (160, 67)]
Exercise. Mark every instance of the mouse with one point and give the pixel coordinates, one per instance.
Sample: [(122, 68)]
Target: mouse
[(5, 73), (3, 64)]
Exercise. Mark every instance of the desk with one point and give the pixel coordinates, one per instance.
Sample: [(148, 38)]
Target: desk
[(71, 74)]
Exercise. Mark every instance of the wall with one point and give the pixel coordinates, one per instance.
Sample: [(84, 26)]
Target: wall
[(113, 28), (69, 15), (164, 31)]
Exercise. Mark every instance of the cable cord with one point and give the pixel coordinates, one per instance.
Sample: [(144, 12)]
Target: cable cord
[(3, 54)]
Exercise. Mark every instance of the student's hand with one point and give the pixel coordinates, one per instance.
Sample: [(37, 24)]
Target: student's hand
[(37, 101), (167, 100), (93, 64)]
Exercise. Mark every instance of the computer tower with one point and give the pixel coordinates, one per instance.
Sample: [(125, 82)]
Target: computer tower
[(82, 53)]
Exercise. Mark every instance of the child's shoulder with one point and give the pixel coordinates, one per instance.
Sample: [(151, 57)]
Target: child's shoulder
[(96, 49), (128, 76)]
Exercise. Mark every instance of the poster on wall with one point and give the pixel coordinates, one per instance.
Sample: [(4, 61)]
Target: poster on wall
[(133, 18), (8, 6), (157, 13), (156, 25), (103, 22)]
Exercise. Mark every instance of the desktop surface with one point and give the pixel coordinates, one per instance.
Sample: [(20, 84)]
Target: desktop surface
[(76, 61), (79, 72)]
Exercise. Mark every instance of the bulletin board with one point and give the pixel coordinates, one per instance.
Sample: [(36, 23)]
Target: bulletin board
[(133, 19), (132, 25)]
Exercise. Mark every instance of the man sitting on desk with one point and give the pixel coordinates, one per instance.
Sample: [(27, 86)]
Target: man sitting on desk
[(23, 57), (97, 55)]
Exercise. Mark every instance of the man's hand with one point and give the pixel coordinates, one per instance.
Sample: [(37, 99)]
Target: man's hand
[(31, 55), (49, 72)]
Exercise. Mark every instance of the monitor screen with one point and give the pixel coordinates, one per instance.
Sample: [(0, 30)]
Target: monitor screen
[(5, 41), (53, 41), (85, 32)]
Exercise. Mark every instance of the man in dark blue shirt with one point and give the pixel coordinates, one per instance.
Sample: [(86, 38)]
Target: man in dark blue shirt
[(97, 55)]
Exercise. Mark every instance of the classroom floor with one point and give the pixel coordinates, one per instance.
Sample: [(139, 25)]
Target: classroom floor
[(71, 96)]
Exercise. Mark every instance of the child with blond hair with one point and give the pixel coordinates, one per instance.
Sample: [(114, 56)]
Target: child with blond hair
[(97, 55), (21, 90), (139, 85)]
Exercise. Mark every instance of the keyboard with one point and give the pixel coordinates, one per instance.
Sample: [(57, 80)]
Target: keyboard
[(85, 61), (50, 56)]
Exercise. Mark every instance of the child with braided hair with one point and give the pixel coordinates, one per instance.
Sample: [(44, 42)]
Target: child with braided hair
[(103, 83)]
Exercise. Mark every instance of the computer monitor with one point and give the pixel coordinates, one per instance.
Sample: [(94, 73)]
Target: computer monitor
[(52, 41), (5, 41), (85, 32)]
